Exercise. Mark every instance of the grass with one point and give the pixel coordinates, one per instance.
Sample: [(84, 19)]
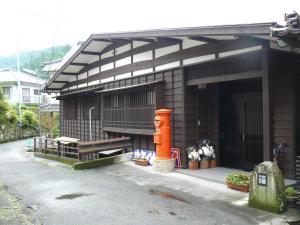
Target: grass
[(64, 160), (102, 161), (82, 165)]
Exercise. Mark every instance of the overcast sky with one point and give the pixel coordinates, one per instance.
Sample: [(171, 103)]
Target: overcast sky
[(44, 23)]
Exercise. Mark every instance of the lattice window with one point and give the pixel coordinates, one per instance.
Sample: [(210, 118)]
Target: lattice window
[(129, 110)]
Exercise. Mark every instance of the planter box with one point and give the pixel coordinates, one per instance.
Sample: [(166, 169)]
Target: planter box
[(291, 201), (204, 164), (238, 187), (193, 165), (212, 163), (141, 162)]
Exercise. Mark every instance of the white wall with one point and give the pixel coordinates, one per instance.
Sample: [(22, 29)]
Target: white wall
[(34, 99)]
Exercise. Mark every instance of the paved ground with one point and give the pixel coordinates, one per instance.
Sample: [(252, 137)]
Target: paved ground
[(39, 191)]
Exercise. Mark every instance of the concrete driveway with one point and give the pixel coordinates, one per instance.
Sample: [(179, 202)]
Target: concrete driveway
[(119, 194)]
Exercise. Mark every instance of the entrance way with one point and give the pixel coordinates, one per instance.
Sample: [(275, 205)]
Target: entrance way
[(241, 125)]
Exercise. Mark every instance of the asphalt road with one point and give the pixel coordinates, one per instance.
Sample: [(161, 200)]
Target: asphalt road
[(118, 194)]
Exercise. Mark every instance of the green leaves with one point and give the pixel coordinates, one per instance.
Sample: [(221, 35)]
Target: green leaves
[(8, 115), (238, 179), (290, 191), (29, 118)]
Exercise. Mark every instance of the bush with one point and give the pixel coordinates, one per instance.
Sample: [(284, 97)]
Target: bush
[(29, 118), (8, 115), (238, 179), (290, 191)]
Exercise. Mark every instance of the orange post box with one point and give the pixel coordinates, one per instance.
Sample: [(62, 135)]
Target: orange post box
[(162, 135)]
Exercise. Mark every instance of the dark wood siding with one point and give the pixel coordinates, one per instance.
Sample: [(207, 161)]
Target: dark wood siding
[(202, 114), (296, 66), (171, 96), (78, 127), (282, 93)]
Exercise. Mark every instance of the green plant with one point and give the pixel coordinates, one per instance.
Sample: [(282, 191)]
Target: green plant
[(29, 118), (238, 179), (290, 191)]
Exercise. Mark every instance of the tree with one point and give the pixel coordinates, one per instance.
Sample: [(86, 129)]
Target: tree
[(8, 115), (50, 122)]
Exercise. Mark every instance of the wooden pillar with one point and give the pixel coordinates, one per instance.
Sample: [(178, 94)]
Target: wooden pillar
[(34, 144), (266, 99)]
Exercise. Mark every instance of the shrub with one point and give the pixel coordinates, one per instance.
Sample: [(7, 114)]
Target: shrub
[(29, 118), (238, 179), (290, 191)]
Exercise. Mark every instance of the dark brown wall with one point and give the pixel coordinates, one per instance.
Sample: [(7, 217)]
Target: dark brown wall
[(202, 105), (173, 95), (79, 127), (282, 108), (297, 105)]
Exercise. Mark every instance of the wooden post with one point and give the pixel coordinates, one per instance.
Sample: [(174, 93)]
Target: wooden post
[(46, 145), (34, 144), (266, 97)]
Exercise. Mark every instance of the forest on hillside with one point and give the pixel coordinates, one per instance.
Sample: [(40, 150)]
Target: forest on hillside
[(34, 60)]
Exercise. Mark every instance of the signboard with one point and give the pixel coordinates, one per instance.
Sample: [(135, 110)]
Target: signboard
[(175, 154)]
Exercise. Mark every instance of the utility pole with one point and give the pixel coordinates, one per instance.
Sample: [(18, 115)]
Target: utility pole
[(19, 85)]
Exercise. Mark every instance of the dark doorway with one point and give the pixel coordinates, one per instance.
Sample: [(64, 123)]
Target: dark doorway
[(241, 125)]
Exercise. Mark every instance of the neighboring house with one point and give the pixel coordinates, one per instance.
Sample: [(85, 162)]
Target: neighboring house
[(30, 87), (232, 84)]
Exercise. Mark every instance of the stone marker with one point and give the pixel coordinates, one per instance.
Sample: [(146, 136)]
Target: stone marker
[(267, 190)]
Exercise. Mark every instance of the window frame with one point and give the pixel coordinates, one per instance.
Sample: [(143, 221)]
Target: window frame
[(5, 92), (25, 98)]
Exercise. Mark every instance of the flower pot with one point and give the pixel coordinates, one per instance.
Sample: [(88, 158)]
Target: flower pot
[(291, 201), (204, 164), (141, 162), (212, 163), (243, 188), (193, 165)]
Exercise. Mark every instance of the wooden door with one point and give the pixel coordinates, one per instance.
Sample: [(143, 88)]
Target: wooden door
[(241, 131)]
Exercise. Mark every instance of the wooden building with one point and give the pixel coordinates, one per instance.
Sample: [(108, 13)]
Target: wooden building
[(232, 84)]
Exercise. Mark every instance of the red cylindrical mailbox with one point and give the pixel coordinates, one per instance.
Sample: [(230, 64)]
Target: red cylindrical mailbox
[(162, 135)]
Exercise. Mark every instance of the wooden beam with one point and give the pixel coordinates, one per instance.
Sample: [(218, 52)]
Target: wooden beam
[(53, 89), (69, 74), (227, 77), (101, 40), (266, 97), (120, 40), (143, 39), (129, 130), (168, 39), (60, 82), (78, 64), (89, 53), (203, 39)]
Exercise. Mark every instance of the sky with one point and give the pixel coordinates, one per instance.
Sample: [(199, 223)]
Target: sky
[(38, 24)]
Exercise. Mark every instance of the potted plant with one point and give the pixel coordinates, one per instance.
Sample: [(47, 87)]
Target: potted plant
[(194, 158), (204, 164), (207, 154), (291, 197), (238, 182)]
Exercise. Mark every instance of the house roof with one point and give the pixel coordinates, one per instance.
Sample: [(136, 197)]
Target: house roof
[(12, 76), (55, 65), (97, 44), (49, 108)]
